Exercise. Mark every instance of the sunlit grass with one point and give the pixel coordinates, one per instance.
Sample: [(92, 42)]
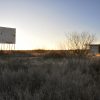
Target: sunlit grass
[(98, 55)]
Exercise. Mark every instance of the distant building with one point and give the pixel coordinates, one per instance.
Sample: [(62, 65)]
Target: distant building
[(95, 48)]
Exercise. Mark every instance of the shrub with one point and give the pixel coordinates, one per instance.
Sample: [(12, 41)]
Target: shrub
[(55, 54)]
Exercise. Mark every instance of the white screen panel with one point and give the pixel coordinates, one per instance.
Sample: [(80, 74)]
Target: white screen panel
[(7, 35)]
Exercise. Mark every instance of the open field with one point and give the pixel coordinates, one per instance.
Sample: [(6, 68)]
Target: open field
[(32, 76)]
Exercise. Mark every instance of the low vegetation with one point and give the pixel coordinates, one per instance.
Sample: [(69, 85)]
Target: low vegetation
[(36, 78)]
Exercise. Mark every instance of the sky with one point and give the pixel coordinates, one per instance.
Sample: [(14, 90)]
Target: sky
[(43, 24)]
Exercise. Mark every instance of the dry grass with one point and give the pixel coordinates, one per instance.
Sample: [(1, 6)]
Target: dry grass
[(38, 78), (98, 55)]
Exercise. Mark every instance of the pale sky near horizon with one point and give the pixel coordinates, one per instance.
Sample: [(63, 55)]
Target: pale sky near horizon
[(44, 23)]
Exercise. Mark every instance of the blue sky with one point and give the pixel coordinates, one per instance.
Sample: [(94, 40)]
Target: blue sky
[(44, 23)]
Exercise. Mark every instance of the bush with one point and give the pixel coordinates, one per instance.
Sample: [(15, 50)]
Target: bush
[(55, 54)]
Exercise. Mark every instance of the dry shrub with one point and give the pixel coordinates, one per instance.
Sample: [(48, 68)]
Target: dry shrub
[(55, 54)]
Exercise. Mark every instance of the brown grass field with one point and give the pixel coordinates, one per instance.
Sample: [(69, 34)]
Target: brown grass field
[(48, 75)]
